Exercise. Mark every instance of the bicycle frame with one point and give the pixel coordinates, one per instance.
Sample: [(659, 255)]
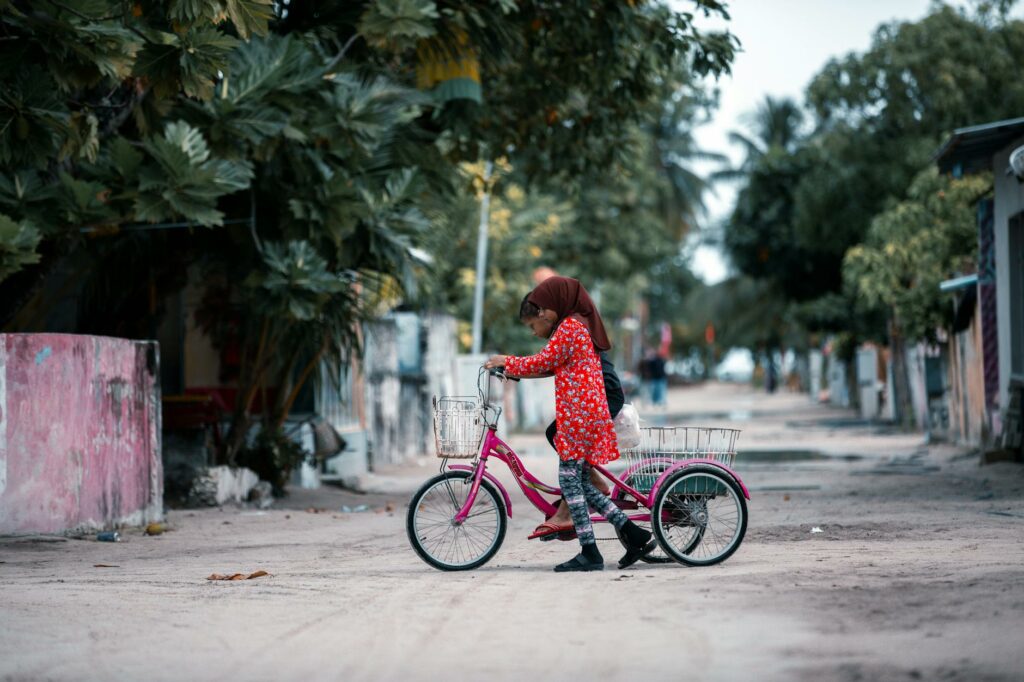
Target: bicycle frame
[(533, 487)]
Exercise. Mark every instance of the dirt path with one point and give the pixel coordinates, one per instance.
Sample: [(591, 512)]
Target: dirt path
[(918, 573)]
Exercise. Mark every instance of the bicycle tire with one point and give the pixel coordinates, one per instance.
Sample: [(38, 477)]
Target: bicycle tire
[(707, 483), (418, 539)]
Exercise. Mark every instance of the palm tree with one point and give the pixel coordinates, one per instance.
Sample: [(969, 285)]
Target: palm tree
[(774, 126), (681, 199)]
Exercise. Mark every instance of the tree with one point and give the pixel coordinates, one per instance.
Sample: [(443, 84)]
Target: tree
[(910, 248), (775, 127), (876, 119), (880, 116), (286, 153)]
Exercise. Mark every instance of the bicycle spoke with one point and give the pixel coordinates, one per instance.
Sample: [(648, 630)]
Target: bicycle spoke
[(438, 535)]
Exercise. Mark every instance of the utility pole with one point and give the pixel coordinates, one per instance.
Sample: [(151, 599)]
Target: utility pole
[(481, 261)]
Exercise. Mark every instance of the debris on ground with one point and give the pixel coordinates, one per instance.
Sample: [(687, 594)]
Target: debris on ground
[(105, 566), (109, 536), (817, 530), (262, 495), (237, 576), (356, 509), (156, 529)]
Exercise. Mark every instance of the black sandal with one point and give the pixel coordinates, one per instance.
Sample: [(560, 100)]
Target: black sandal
[(580, 563), (634, 555)]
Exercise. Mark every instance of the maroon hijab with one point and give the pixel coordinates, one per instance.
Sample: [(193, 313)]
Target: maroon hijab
[(568, 298)]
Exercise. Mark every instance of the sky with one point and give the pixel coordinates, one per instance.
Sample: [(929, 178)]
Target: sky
[(784, 43)]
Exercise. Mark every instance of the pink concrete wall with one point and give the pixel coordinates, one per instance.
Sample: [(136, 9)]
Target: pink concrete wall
[(79, 433)]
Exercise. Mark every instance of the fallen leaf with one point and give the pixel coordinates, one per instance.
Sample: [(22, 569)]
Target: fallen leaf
[(102, 566), (390, 506), (237, 576)]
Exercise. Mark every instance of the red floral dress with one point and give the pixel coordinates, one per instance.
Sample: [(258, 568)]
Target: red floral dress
[(585, 428)]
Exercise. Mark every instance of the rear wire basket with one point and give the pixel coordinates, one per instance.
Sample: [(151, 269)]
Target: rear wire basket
[(458, 427), (662, 446)]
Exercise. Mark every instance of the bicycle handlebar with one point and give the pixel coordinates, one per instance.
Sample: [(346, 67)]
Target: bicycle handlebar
[(500, 373)]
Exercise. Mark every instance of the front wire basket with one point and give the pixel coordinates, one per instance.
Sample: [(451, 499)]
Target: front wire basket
[(458, 427), (661, 446)]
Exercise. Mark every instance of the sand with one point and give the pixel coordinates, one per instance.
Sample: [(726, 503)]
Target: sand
[(918, 573)]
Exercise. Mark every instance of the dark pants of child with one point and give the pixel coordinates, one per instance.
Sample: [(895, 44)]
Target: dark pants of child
[(580, 494)]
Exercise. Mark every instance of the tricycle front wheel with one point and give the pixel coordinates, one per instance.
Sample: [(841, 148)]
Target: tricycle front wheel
[(699, 516), (436, 537)]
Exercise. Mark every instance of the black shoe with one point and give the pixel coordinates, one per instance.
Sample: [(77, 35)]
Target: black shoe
[(638, 543), (580, 563), (633, 555)]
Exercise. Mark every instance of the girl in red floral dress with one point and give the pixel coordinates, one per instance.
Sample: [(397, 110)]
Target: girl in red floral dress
[(585, 435)]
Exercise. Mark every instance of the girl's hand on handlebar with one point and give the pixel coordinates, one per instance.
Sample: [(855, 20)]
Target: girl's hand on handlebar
[(495, 362)]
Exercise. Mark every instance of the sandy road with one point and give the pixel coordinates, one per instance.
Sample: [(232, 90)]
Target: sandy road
[(918, 574)]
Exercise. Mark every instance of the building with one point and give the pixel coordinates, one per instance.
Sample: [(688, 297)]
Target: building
[(1000, 285)]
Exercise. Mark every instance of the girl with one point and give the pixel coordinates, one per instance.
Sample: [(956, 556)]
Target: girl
[(585, 435), (555, 299)]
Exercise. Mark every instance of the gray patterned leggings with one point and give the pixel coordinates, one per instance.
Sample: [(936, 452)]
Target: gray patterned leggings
[(579, 493)]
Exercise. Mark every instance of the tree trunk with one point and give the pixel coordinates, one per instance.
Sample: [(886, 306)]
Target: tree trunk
[(250, 381), (904, 405)]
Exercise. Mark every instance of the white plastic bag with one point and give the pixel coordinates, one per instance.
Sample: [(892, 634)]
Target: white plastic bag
[(627, 427)]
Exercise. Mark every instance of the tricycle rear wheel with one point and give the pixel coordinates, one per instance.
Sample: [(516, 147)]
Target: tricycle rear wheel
[(699, 515)]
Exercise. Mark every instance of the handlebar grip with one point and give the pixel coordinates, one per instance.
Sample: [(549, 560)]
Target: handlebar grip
[(500, 373)]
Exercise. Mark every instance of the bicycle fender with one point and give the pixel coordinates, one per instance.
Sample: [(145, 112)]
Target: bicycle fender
[(495, 482), (691, 462)]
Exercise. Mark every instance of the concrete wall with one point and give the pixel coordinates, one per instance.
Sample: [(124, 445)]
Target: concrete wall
[(1009, 200), (383, 390), (79, 433)]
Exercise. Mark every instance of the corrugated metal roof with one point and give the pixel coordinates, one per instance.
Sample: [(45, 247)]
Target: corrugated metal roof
[(970, 149)]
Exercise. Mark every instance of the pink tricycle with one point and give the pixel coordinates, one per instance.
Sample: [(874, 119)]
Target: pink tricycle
[(679, 480)]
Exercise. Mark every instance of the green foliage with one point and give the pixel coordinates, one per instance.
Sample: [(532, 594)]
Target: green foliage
[(185, 180), (87, 136), (882, 114), (18, 242), (913, 246), (188, 62), (33, 119), (618, 231), (250, 16), (877, 117), (564, 85), (334, 185), (398, 24), (297, 282)]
